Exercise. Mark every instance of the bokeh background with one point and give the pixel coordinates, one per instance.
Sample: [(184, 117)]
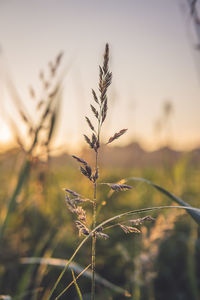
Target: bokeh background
[(154, 59), (49, 57)]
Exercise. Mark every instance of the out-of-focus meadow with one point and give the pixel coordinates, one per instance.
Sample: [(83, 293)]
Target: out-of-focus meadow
[(37, 231), (161, 262)]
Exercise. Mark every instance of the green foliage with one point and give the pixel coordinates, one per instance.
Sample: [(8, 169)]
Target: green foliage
[(40, 222)]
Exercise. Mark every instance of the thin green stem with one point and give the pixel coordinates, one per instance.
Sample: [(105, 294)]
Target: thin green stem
[(71, 283), (66, 266), (94, 236), (77, 287), (95, 212)]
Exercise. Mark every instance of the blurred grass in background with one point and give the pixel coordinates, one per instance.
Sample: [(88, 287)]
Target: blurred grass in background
[(160, 263)]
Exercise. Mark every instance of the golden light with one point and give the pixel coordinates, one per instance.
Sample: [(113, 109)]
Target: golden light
[(5, 133)]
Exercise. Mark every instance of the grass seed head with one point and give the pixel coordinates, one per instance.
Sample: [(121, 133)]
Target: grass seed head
[(81, 214), (140, 221), (72, 192), (116, 136), (129, 229), (89, 123), (70, 204), (95, 97), (119, 187), (95, 112), (106, 58), (80, 160), (83, 230), (101, 235)]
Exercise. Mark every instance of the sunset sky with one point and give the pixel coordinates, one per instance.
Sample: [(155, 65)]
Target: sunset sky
[(154, 59)]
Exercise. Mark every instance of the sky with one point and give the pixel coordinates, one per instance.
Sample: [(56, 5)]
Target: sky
[(153, 58)]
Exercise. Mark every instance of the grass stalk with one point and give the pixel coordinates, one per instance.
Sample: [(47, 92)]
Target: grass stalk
[(77, 287), (74, 281), (94, 236)]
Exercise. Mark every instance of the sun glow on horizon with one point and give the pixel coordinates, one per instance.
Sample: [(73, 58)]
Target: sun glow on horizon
[(5, 134)]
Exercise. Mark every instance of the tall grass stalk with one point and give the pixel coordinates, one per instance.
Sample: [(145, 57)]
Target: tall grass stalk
[(94, 237), (100, 113)]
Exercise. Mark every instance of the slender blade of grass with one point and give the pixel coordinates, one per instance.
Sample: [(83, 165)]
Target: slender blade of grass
[(77, 268), (67, 265), (194, 214), (74, 281), (77, 287)]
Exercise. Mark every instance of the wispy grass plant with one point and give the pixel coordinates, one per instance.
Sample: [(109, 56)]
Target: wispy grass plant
[(74, 200)]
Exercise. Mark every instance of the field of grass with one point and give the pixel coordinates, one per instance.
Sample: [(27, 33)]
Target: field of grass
[(161, 262)]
